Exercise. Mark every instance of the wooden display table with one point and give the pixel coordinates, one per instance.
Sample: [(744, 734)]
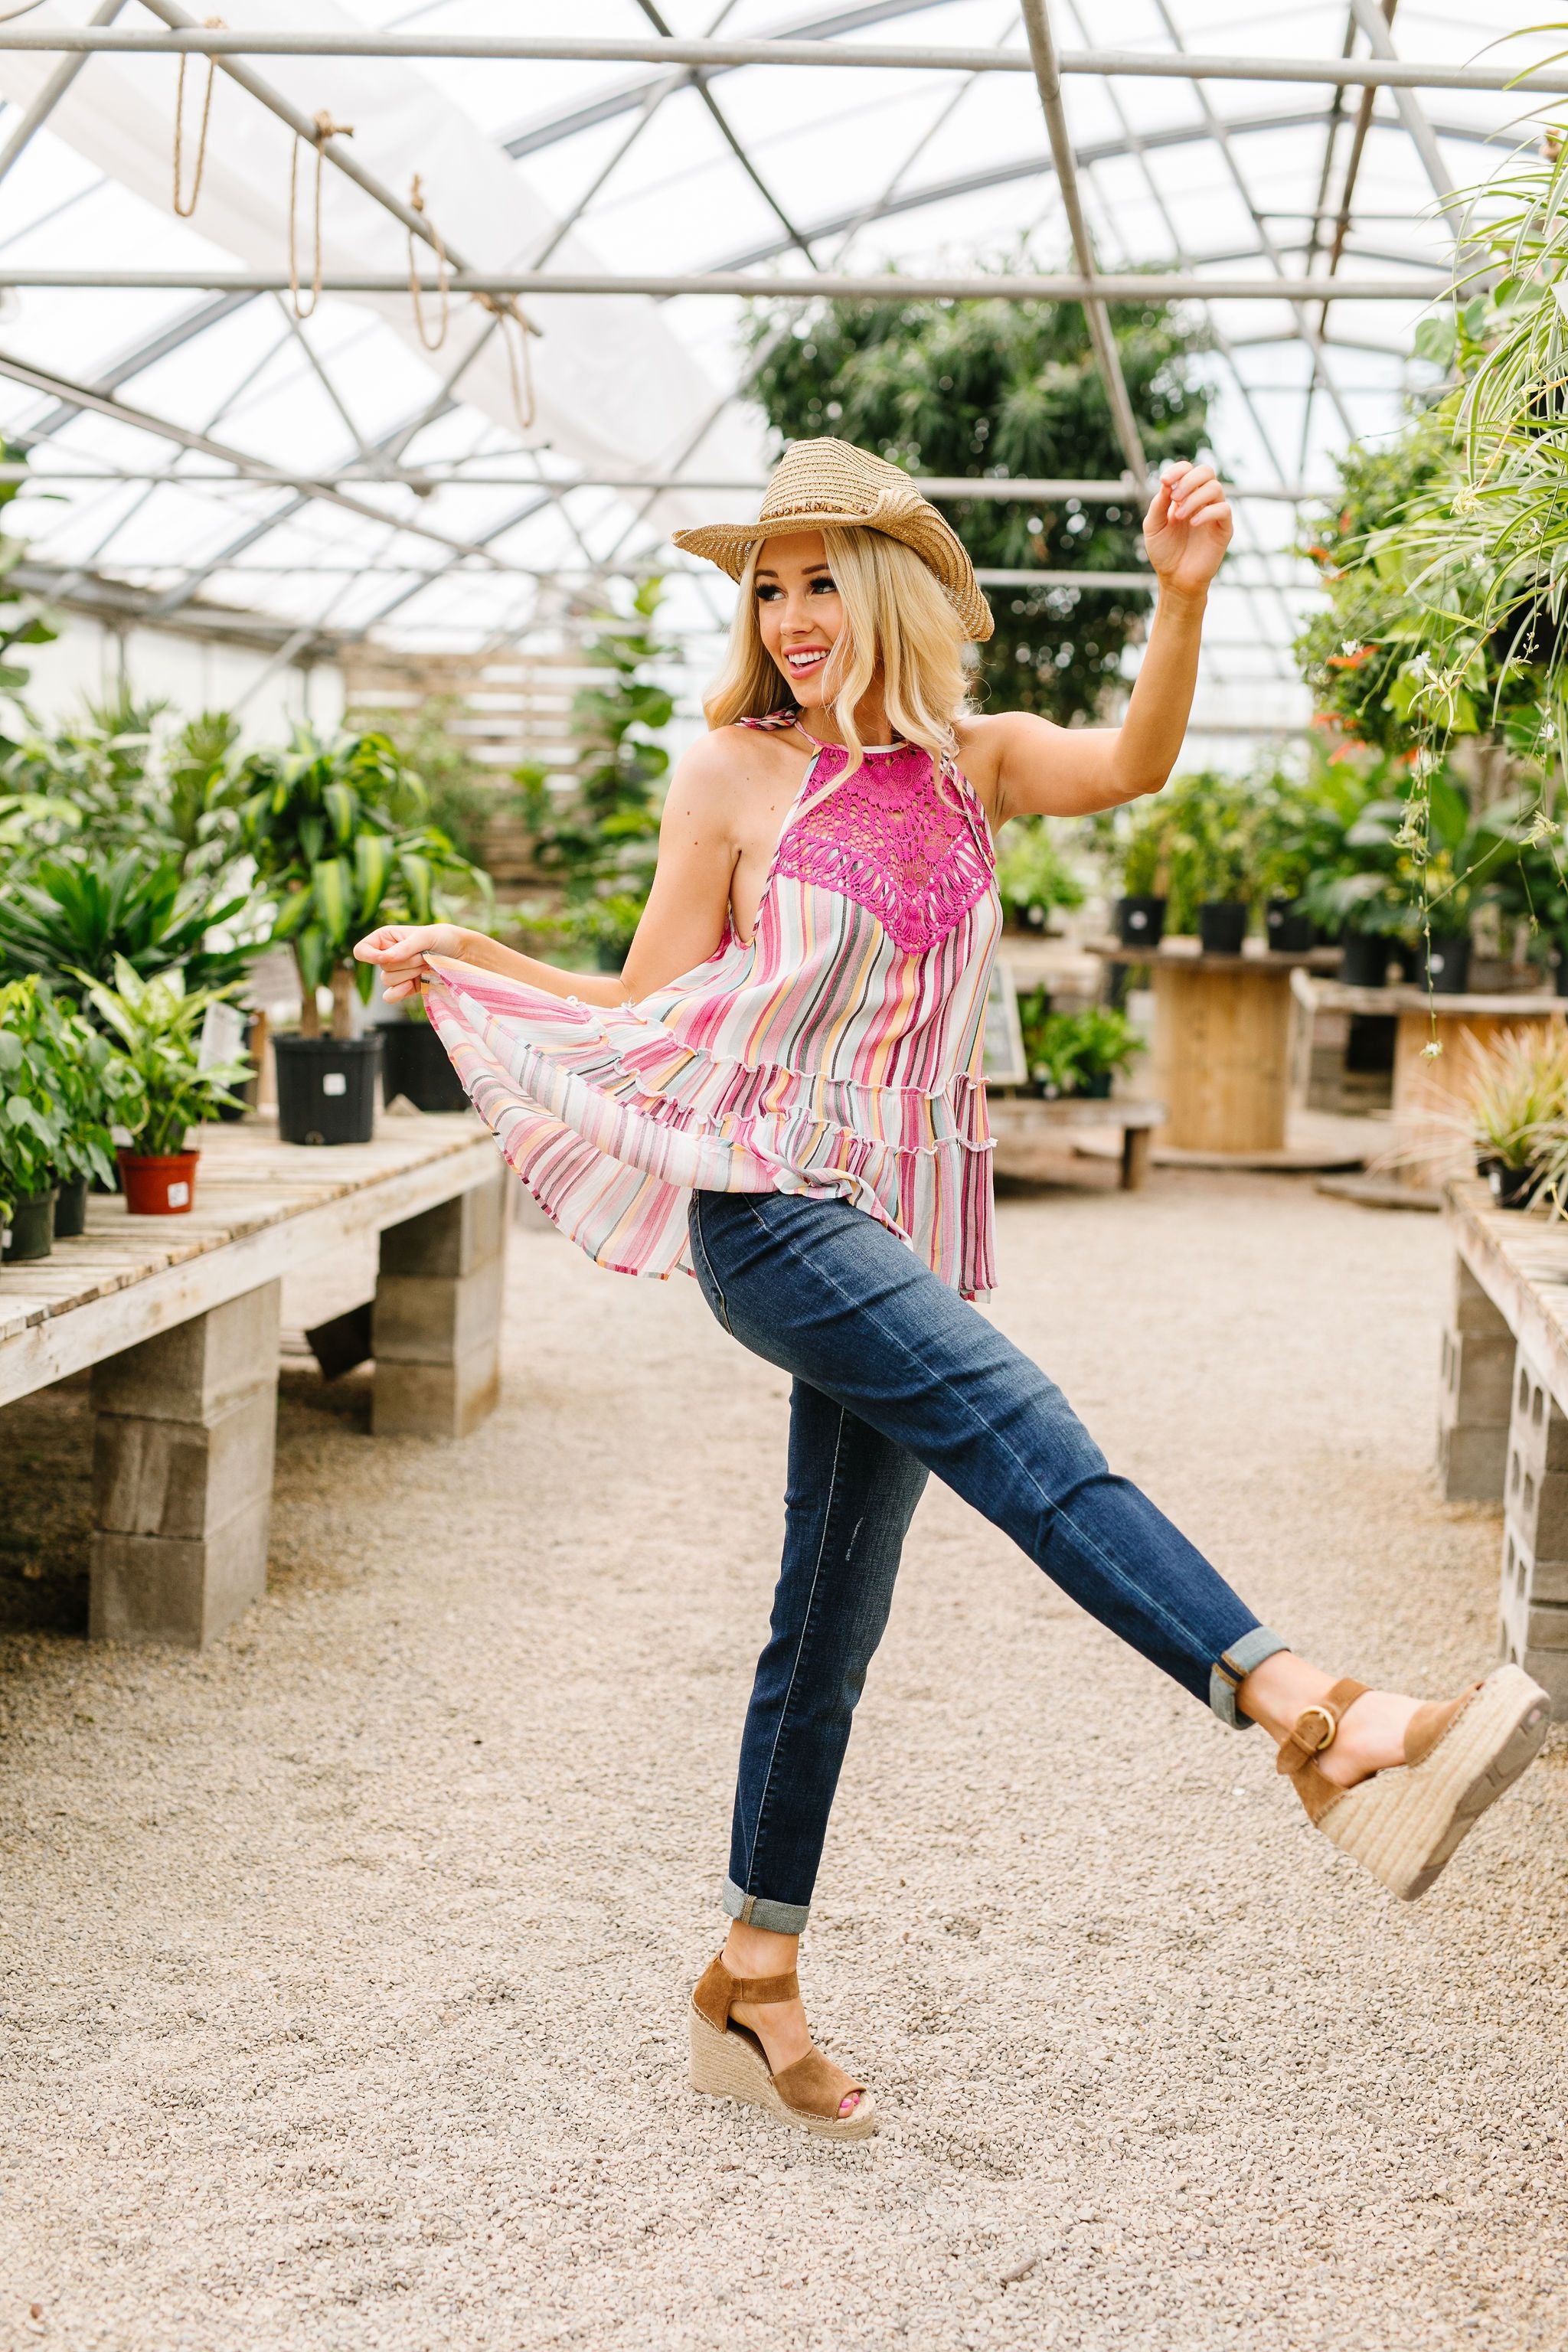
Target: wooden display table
[(1425, 1150), (1502, 1428), (1222, 1044), (178, 1318), (1025, 1124)]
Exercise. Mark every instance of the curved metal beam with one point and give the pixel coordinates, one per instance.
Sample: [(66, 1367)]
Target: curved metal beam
[(1029, 167)]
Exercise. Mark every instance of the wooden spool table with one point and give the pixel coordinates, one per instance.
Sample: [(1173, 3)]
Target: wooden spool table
[(1222, 1044), (1425, 1147), (178, 1318)]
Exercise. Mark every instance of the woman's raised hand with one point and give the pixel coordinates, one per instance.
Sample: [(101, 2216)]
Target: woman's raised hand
[(400, 949), (1187, 528)]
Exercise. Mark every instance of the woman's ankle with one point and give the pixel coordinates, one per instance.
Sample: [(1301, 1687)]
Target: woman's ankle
[(758, 1952)]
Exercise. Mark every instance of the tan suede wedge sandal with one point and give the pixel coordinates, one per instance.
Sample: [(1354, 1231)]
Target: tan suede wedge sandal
[(1460, 1755), (728, 2062)]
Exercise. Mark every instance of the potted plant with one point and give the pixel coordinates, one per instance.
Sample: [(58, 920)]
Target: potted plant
[(1145, 878), (416, 1066), (336, 829), (31, 1127), (1516, 1106), (89, 1080), (1075, 1056), (168, 1091), (1033, 877)]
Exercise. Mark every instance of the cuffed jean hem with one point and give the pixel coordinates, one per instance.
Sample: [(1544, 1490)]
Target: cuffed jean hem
[(1228, 1673), (756, 1911)]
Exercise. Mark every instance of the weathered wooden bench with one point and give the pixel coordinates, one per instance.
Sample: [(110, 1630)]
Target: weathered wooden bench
[(1502, 1429), (178, 1319), (1026, 1125)]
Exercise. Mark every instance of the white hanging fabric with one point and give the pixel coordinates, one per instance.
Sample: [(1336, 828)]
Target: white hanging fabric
[(614, 388)]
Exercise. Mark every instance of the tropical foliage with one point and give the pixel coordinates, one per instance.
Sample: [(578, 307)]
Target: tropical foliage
[(1035, 877), (168, 1088), (79, 914), (1008, 389), (338, 832), (598, 833)]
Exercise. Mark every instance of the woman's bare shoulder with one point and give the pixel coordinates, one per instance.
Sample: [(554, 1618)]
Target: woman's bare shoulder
[(733, 775)]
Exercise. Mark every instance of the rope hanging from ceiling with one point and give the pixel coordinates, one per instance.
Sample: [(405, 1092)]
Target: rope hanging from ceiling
[(183, 207), (325, 129)]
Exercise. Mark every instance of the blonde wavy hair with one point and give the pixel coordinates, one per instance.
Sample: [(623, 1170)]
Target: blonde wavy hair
[(897, 619)]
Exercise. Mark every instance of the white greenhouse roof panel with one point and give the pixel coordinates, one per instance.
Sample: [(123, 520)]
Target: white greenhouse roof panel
[(428, 477)]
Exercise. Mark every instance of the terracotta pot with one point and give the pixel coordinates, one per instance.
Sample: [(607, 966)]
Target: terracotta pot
[(158, 1183)]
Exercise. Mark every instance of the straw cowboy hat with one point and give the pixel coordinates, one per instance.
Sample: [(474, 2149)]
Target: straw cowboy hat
[(827, 485)]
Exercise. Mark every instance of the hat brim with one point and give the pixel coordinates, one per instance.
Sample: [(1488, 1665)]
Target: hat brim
[(730, 544)]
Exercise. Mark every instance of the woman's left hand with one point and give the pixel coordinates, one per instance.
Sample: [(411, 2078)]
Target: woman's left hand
[(1187, 528)]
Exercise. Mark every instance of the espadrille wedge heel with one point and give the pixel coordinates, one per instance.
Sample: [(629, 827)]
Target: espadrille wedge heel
[(1460, 1755), (728, 2062)]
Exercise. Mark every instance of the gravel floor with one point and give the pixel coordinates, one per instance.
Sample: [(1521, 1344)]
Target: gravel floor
[(344, 1965)]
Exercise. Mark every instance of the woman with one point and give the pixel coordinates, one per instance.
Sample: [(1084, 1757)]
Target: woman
[(781, 1094)]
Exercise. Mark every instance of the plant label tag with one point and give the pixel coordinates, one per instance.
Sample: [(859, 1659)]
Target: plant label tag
[(333, 1081), (222, 1035), (179, 1196)]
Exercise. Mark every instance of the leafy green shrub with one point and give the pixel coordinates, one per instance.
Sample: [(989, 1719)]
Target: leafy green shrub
[(32, 1119), (1033, 875), (980, 388), (337, 835), (1196, 841), (1066, 1053), (598, 834), (158, 1022)]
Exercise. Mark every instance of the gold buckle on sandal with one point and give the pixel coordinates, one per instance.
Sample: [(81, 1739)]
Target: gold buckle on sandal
[(1330, 1724)]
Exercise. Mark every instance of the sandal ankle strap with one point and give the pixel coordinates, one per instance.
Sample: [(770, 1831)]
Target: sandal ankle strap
[(718, 1991), (1316, 1728)]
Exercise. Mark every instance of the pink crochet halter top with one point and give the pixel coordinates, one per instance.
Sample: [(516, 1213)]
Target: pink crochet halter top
[(836, 1052)]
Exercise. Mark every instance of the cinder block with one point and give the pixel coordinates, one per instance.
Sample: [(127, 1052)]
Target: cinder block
[(196, 1370), (452, 1239), (1538, 1428), (1472, 1463), (1477, 1376), (165, 1589), (414, 1400), (1474, 1309), (182, 1478), (421, 1320)]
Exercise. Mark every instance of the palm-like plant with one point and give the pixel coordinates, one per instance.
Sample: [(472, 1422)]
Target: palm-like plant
[(336, 829), (76, 916)]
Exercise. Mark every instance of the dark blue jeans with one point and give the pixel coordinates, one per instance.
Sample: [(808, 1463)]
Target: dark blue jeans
[(895, 1375)]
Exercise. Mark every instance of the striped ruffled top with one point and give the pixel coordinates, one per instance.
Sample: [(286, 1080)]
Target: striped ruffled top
[(834, 1052)]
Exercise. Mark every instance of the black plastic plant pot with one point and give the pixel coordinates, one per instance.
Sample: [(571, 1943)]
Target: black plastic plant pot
[(1410, 961), (32, 1229), (1222, 926), (1094, 1089), (414, 1064), (1364, 964), (1286, 930), (1445, 968), (326, 1088), (1511, 1188), (1140, 922), (70, 1209), (1560, 976)]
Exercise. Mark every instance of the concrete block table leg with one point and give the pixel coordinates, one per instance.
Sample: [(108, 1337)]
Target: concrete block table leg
[(183, 1447), (1473, 1409), (1136, 1142), (436, 1331), (1532, 1610)]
